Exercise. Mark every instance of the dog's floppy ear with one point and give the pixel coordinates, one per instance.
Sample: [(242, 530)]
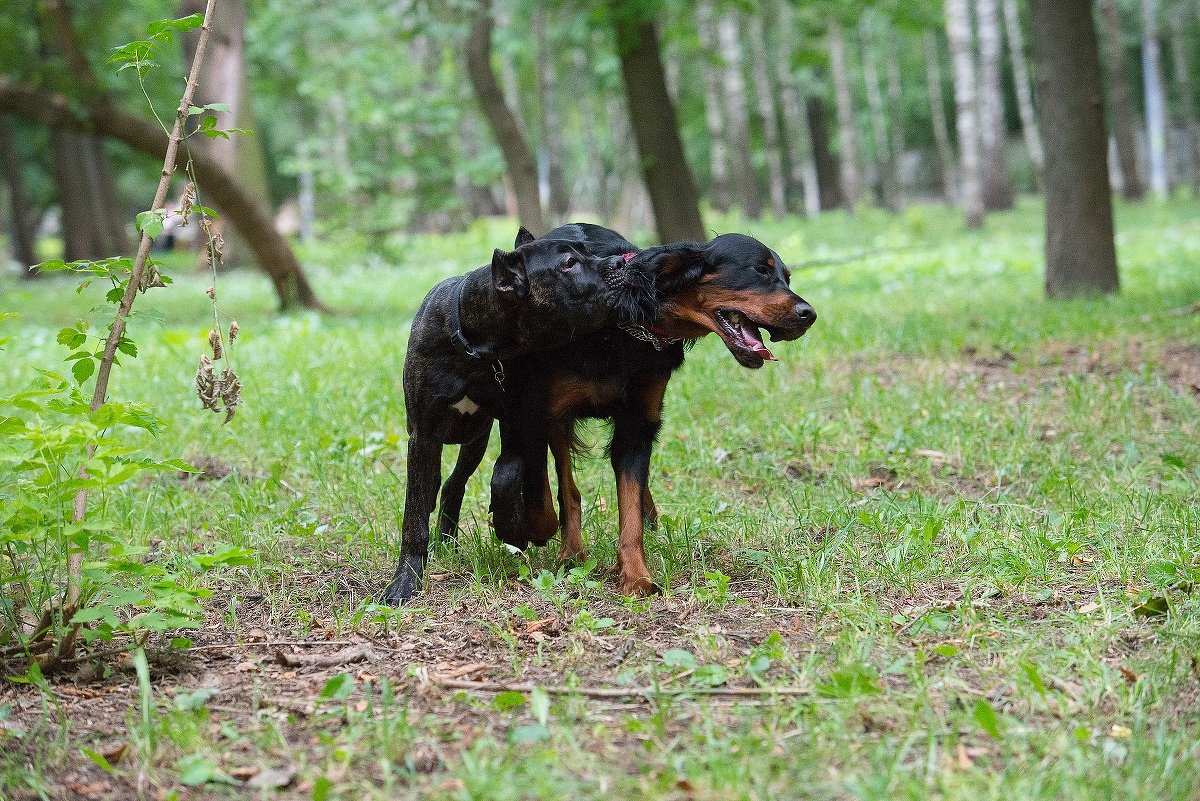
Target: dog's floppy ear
[(523, 237), (508, 273), (676, 266)]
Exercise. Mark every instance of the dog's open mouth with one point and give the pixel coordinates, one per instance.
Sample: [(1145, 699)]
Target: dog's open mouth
[(743, 337)]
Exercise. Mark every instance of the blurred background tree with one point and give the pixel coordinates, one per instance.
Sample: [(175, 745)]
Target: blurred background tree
[(374, 120)]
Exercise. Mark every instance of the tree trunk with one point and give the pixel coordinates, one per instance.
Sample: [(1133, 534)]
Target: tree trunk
[(594, 195), (223, 80), (1024, 92), (652, 117), (816, 111), (714, 108), (24, 230), (77, 227), (937, 114), (251, 220), (745, 185), (518, 160), (111, 214), (551, 120), (1123, 117), (997, 183), (1080, 254), (884, 164), (767, 115), (1187, 98), (1156, 103), (793, 126), (895, 95), (847, 121), (966, 110)]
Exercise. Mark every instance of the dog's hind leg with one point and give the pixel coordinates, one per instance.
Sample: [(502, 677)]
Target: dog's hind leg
[(424, 476), (470, 454)]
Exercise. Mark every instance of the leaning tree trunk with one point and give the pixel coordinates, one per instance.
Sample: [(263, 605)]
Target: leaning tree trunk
[(829, 181), (884, 164), (847, 123), (1123, 117), (793, 126), (997, 184), (1187, 100), (1156, 100), (518, 160), (714, 109), (745, 185), (251, 220), (937, 114), (1020, 74), (966, 110), (1080, 255), (24, 233), (549, 116), (765, 97), (668, 177)]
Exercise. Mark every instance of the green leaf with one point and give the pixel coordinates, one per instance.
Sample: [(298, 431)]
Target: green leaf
[(127, 347), (71, 337), (986, 717), (321, 787), (190, 22), (530, 733), (508, 701), (710, 675), (679, 658), (195, 769), (1035, 677), (99, 760), (946, 651), (337, 687), (851, 681), (539, 705), (83, 369), (150, 222)]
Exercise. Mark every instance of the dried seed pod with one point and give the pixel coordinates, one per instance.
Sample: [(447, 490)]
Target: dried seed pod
[(211, 292), (189, 197), (231, 392), (233, 331), (207, 387), (214, 342)]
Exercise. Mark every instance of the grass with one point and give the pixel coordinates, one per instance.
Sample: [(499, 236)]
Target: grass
[(940, 517)]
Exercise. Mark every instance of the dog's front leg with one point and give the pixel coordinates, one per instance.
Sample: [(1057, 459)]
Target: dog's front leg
[(508, 507), (632, 444), (420, 494)]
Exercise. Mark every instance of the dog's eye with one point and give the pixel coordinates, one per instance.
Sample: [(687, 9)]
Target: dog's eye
[(570, 262), (764, 269)]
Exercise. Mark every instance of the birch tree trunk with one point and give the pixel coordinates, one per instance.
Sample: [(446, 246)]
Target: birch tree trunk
[(884, 165), (966, 110), (895, 99), (1024, 92), (551, 120), (1187, 100), (1123, 118), (847, 123), (767, 115), (802, 169), (519, 163), (997, 183), (745, 185), (714, 108), (1156, 102), (937, 113), (1080, 254)]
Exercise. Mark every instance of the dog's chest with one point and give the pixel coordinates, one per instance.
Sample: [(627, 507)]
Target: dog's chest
[(465, 406)]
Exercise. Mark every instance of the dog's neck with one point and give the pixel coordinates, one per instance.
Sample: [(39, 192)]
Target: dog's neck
[(478, 320)]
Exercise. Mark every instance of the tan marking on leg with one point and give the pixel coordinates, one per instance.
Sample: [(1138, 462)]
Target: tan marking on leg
[(572, 549), (631, 556)]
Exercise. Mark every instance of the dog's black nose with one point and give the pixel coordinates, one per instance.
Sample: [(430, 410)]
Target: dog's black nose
[(805, 314)]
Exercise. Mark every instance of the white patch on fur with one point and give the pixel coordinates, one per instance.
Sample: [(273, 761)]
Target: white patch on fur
[(466, 406)]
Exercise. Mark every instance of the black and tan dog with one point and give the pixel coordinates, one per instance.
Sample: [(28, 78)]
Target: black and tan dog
[(733, 286), (542, 294)]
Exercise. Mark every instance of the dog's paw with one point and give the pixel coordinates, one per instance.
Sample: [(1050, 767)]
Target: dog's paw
[(638, 586), (405, 583), (572, 556)]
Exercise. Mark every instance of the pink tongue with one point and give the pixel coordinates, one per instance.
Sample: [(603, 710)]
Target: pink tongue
[(756, 344)]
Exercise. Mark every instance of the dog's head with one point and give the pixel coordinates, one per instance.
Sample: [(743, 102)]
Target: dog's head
[(564, 292), (733, 287)]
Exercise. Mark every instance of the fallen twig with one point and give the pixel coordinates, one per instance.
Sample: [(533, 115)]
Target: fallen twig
[(355, 653), (613, 692)]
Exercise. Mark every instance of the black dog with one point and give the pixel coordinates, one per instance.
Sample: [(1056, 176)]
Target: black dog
[(730, 286), (543, 294)]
